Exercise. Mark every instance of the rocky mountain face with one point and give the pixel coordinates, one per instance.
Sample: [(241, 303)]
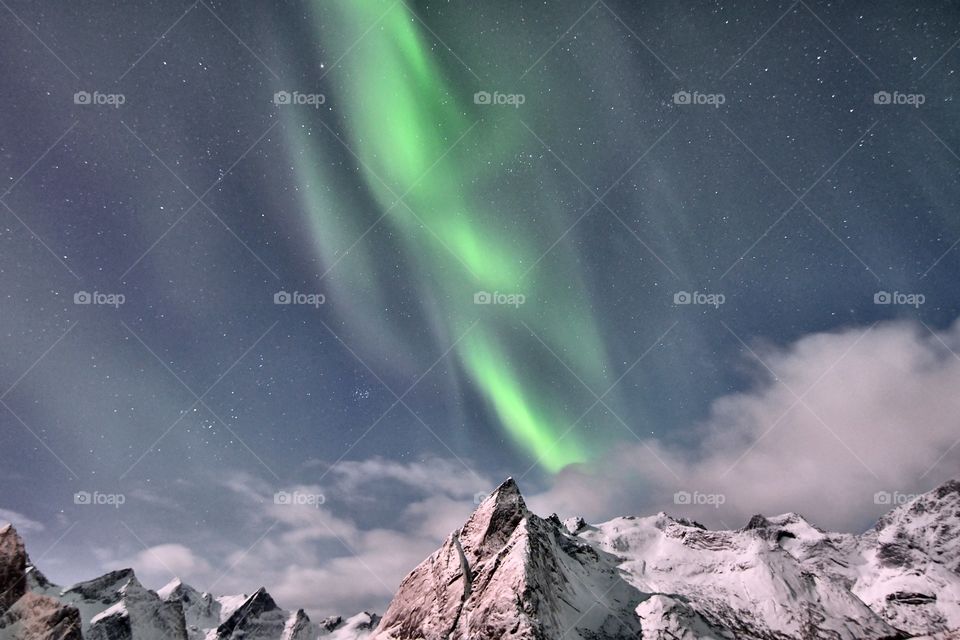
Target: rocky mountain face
[(116, 606), (25, 615), (510, 574)]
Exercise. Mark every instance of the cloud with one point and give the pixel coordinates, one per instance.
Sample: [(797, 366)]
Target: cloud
[(161, 563), (20, 522), (826, 422), (307, 547), (832, 419), (434, 476)]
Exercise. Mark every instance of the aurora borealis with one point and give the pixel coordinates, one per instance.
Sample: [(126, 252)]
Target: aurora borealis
[(393, 251), (405, 125)]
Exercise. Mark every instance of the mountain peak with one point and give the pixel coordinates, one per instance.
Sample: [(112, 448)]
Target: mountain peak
[(106, 585), (248, 614), (508, 493), (948, 487), (13, 567), (493, 521), (168, 590)]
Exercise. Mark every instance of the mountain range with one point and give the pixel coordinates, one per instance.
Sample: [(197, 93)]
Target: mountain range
[(509, 573)]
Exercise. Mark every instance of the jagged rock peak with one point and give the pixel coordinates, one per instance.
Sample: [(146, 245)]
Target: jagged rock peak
[(171, 589), (252, 608), (948, 487), (13, 567), (493, 521), (508, 495), (757, 522), (110, 582)]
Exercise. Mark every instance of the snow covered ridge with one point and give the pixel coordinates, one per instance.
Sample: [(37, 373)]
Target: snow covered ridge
[(116, 606), (508, 573)]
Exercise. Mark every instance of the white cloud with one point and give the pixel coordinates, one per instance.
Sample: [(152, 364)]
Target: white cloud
[(159, 564), (434, 476), (879, 408), (20, 522), (313, 554), (880, 411)]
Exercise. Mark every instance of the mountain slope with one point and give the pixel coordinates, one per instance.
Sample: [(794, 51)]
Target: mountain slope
[(115, 606), (509, 574), (910, 571)]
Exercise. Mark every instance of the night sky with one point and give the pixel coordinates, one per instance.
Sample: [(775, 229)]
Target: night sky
[(592, 167)]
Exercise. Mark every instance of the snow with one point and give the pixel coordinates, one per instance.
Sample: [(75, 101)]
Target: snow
[(119, 609), (509, 574), (167, 590), (229, 604)]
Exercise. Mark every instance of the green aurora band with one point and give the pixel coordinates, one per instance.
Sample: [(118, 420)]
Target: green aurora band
[(411, 132)]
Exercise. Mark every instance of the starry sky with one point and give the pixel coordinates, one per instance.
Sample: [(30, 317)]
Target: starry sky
[(391, 252)]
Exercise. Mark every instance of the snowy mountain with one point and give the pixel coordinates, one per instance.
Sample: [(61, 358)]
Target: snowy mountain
[(508, 573), (116, 606)]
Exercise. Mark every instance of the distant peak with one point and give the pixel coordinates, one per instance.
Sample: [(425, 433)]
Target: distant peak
[(948, 487), (262, 598), (247, 613), (169, 589), (757, 522)]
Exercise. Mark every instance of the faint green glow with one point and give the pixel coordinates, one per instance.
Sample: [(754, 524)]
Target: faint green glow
[(403, 119)]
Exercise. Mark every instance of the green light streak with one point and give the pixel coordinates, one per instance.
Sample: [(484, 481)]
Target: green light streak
[(402, 118)]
